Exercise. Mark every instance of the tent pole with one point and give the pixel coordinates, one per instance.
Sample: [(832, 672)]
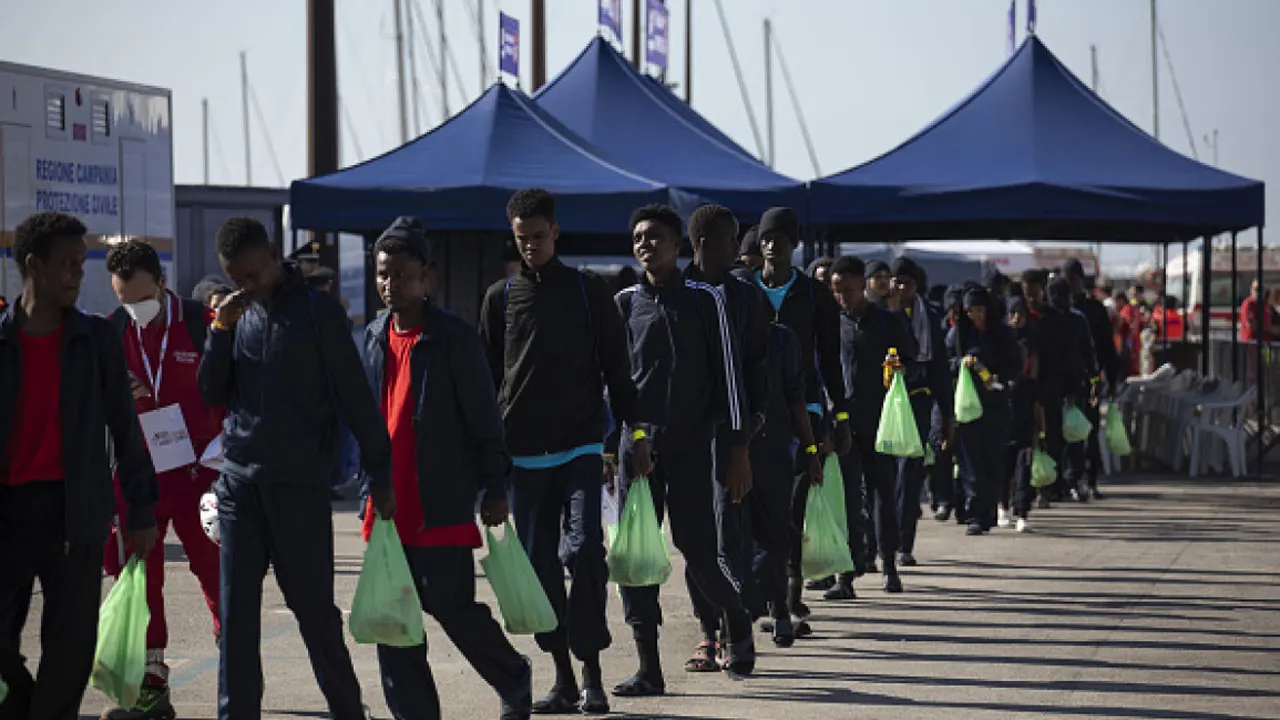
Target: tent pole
[(635, 34), (1235, 318), (400, 79), (1155, 75), (1186, 301), (1164, 283), (1206, 295), (1260, 310), (688, 52), (768, 91), (540, 43)]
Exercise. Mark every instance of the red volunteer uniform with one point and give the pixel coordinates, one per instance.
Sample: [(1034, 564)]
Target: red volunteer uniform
[(397, 408), (180, 488)]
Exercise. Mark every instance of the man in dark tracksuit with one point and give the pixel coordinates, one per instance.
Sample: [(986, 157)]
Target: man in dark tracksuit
[(682, 361), (1026, 419), (429, 370), (929, 385), (867, 333), (984, 346), (63, 386), (280, 359), (713, 233), (774, 467), (1059, 338), (1102, 383), (944, 486), (1078, 392), (811, 312), (555, 342)]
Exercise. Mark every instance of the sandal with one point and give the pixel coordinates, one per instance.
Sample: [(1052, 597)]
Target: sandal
[(704, 659)]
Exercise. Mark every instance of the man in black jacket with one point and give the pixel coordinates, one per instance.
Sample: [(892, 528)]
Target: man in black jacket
[(713, 233), (1100, 331), (929, 385), (555, 342), (811, 312), (280, 359), (63, 382), (867, 333), (428, 367), (682, 361)]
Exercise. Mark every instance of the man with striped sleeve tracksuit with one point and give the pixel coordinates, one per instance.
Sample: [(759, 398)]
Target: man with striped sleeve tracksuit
[(682, 361)]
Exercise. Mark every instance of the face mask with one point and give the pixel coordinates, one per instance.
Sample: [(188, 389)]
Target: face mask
[(143, 312)]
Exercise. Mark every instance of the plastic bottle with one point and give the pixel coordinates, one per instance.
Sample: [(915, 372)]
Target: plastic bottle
[(892, 364)]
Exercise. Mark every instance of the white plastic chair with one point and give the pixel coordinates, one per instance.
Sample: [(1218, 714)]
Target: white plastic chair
[(1222, 421)]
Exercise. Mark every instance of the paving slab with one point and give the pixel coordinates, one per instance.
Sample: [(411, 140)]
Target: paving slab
[(1162, 601)]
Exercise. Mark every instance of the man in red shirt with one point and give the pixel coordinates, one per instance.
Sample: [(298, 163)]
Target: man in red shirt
[(447, 448), (1249, 317), (163, 337), (62, 383)]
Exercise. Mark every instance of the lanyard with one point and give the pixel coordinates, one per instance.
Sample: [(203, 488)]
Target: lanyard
[(154, 378)]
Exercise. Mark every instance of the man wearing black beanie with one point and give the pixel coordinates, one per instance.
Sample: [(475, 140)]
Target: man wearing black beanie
[(929, 386), (983, 345), (810, 310), (1100, 330)]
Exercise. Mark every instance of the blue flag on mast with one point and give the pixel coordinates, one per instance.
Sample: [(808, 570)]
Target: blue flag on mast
[(1031, 17)]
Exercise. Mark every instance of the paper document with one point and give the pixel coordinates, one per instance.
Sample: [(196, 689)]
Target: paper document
[(165, 432)]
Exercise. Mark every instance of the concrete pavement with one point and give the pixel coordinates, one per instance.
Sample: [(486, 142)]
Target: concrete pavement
[(1160, 602)]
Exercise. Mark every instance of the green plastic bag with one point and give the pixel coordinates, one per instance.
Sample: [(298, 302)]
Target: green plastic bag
[(120, 660), (968, 404), (1044, 471), (930, 458), (898, 435), (386, 609), (1075, 426), (824, 550), (833, 488), (1117, 437), (4, 690), (638, 555), (521, 600)]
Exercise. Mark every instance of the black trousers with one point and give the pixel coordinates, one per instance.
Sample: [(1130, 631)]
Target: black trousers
[(557, 515), (683, 484), (942, 479), (982, 448), (911, 476), (1069, 456), (33, 545), (1016, 491), (732, 531), (1093, 449), (288, 526), (870, 492), (772, 531), (447, 588)]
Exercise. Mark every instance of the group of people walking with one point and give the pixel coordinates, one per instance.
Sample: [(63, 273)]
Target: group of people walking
[(725, 384)]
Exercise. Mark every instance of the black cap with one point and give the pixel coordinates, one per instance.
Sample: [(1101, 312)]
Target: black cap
[(977, 296), (409, 231), (751, 241), (1073, 268), (906, 266), (875, 266), (780, 220)]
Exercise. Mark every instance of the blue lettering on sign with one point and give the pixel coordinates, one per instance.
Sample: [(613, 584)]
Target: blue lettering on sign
[(69, 173)]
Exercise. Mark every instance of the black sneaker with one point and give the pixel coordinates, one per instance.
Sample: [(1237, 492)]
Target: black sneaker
[(825, 583), (892, 583), (974, 529), (153, 704), (906, 559), (520, 706), (842, 591), (782, 631), (942, 514)]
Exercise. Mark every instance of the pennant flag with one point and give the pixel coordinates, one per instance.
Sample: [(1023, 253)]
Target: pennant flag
[(610, 17), (656, 47), (1031, 17), (509, 45), (1011, 39)]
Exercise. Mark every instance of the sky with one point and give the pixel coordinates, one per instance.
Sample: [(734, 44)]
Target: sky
[(869, 73)]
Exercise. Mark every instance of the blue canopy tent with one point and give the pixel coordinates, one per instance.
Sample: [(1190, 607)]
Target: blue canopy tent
[(1034, 154), (460, 175), (636, 120)]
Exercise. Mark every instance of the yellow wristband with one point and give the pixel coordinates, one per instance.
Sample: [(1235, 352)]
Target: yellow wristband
[(842, 417), (219, 326), (811, 450), (639, 435)]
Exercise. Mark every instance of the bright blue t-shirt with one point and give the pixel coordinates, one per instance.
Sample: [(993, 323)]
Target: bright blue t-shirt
[(778, 294)]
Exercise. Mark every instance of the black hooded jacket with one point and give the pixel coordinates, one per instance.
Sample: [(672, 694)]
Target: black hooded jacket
[(749, 314)]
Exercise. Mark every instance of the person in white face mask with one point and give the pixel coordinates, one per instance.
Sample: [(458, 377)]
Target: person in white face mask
[(164, 336)]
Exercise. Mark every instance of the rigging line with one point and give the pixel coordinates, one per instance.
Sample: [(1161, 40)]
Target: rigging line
[(344, 39), (742, 84), (266, 134), (217, 145), (1177, 91), (479, 20), (351, 129), (795, 103), (452, 62), (415, 90), (429, 57)]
